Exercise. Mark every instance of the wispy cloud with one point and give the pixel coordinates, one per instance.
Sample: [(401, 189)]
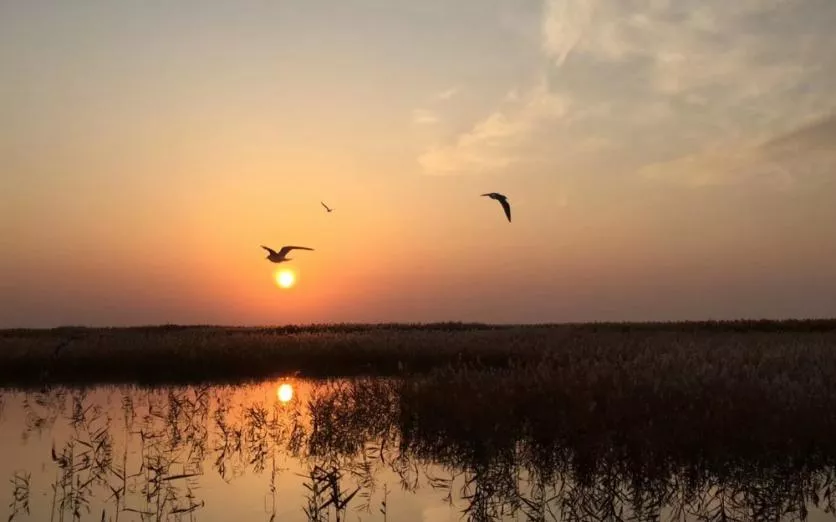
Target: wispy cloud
[(490, 144), (564, 23), (700, 82), (447, 94), (424, 117), (803, 156), (695, 47), (807, 155), (727, 165)]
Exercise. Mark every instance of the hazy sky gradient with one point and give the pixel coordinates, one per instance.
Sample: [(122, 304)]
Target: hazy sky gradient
[(664, 160)]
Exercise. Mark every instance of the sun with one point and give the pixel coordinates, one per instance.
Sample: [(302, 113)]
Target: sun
[(285, 392), (285, 278)]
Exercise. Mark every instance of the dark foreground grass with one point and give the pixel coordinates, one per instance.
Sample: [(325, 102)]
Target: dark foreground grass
[(712, 421), (800, 350), (543, 441)]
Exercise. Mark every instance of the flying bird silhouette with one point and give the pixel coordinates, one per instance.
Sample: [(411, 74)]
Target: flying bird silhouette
[(326, 207), (281, 255), (502, 201)]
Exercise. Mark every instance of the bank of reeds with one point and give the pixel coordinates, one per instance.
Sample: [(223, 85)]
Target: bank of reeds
[(535, 440), (181, 354)]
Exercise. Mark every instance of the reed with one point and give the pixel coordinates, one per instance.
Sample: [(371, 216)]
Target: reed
[(193, 355), (535, 440)]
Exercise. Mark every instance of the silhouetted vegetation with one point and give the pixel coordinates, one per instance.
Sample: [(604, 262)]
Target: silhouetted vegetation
[(537, 442), (183, 354)]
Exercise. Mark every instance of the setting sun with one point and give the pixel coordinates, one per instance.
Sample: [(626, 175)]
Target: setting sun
[(285, 392), (285, 278)]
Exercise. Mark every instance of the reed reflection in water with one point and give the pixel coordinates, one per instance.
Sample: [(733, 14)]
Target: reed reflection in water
[(387, 449)]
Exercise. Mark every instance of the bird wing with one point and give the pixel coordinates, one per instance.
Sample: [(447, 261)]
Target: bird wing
[(268, 249), (286, 249), (507, 207)]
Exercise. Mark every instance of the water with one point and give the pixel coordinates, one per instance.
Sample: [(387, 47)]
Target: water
[(294, 449)]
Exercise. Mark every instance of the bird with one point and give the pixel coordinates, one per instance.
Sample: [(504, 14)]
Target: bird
[(280, 256), (502, 201), (326, 207)]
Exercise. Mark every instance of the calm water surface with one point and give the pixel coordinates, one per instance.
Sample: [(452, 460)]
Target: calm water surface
[(347, 450)]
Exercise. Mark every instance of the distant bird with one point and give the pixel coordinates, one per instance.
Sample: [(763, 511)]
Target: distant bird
[(280, 256), (326, 207), (502, 201)]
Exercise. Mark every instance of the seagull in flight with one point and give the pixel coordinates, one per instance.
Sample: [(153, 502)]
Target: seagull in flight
[(326, 207), (280, 256), (502, 201)]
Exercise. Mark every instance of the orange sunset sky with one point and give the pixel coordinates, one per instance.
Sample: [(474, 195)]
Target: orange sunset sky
[(664, 160)]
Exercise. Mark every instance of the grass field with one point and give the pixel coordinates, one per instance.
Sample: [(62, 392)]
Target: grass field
[(677, 355)]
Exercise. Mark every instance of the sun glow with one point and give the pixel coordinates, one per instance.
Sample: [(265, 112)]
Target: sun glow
[(284, 392), (285, 278)]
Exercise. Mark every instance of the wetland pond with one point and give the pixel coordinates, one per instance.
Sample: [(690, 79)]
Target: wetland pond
[(395, 449)]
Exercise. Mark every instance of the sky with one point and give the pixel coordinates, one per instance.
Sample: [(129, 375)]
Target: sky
[(664, 160)]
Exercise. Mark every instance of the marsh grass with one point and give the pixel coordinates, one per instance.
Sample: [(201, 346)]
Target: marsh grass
[(20, 494), (187, 355), (534, 440)]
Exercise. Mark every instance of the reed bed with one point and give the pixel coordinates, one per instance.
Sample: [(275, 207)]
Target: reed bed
[(649, 354), (526, 441)]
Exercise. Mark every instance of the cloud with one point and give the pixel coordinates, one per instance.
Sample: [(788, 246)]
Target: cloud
[(804, 156), (818, 136), (492, 142), (807, 154), (714, 166), (745, 54), (424, 117), (428, 117), (564, 23), (448, 94), (702, 82)]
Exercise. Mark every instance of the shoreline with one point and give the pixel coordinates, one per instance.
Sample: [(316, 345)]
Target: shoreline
[(816, 324)]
